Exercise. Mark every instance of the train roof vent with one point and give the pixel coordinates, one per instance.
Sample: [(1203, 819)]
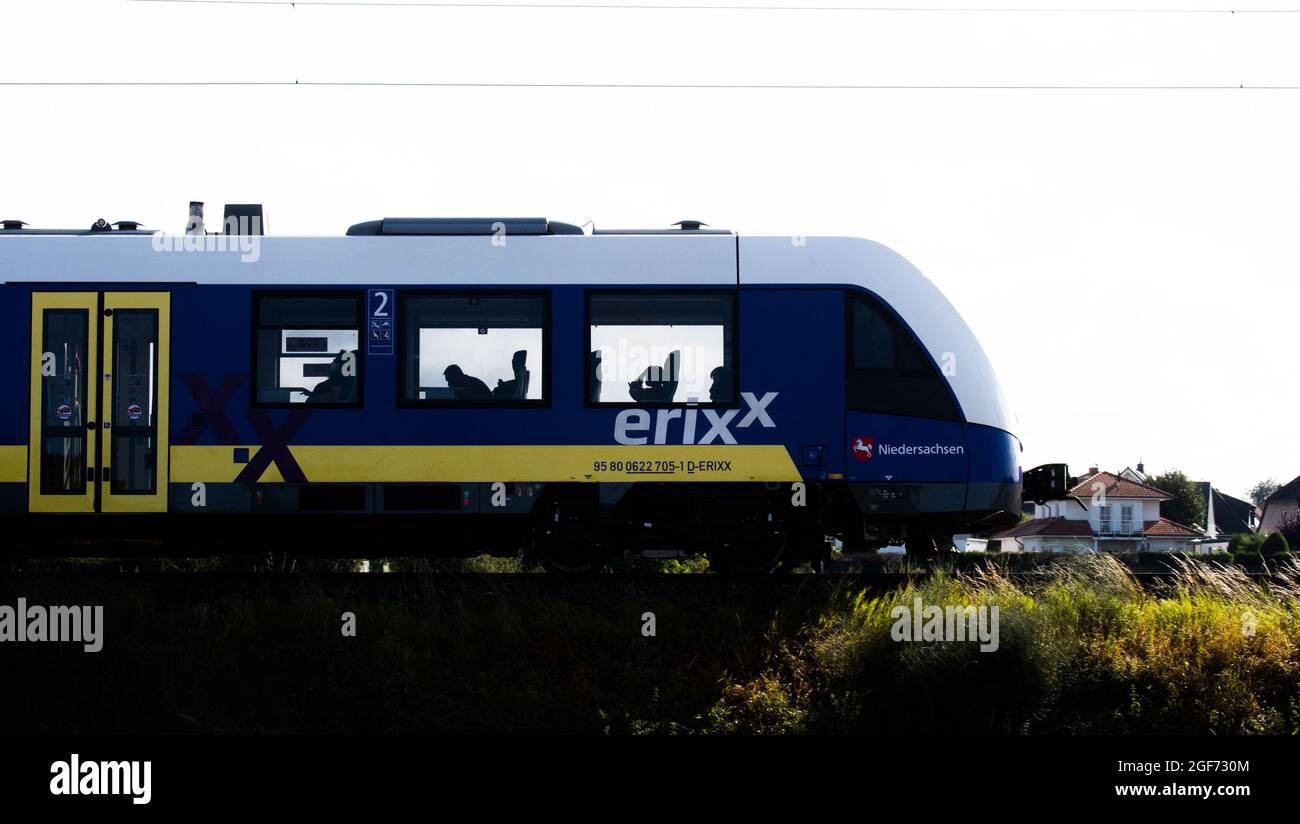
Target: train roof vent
[(684, 227), (451, 226), (244, 219), (100, 227)]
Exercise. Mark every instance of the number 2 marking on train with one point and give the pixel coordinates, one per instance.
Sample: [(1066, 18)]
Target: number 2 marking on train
[(379, 326)]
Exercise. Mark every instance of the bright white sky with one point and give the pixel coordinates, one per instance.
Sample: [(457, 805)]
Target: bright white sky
[(1126, 257)]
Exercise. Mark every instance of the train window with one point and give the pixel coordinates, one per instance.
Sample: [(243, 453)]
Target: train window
[(64, 401), (661, 348), (468, 349), (887, 370), (308, 349), (133, 441)]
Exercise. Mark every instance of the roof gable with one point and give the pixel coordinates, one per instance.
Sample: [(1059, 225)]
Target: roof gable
[(1113, 486), (1049, 528), (1231, 515), (1166, 528), (1286, 492)]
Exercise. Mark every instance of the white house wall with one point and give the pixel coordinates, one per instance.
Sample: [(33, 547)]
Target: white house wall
[(1275, 514)]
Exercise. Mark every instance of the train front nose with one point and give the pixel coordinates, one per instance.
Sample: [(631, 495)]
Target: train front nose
[(994, 485)]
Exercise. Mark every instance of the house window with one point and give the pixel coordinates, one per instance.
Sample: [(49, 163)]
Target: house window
[(661, 348), (307, 350), (1103, 512), (471, 349), (1126, 518)]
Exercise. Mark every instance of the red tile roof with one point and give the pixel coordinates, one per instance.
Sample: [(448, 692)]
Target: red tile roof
[(1167, 528), (1116, 487), (1049, 527)]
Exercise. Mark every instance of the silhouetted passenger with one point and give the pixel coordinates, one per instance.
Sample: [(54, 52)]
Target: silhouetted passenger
[(466, 387), (337, 388), (593, 364), (657, 384), (515, 389), (720, 391)]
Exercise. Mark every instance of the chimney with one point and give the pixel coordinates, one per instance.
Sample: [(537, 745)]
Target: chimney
[(1092, 470), (195, 224), (1142, 468)]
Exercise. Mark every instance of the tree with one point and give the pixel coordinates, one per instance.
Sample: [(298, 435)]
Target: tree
[(1262, 490), (1187, 506), (1274, 544)]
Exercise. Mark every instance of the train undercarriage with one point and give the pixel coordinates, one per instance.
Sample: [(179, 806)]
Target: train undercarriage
[(749, 528)]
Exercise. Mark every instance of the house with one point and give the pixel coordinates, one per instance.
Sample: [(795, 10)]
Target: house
[(1280, 508), (1138, 473), (1225, 516), (969, 543), (1118, 513)]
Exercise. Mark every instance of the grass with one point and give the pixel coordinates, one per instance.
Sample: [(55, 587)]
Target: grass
[(1083, 649)]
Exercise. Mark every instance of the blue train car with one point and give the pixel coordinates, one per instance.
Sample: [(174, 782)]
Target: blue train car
[(451, 386)]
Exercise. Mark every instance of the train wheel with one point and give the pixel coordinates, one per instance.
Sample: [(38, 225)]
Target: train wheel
[(919, 544), (563, 541), (806, 546), (754, 546)]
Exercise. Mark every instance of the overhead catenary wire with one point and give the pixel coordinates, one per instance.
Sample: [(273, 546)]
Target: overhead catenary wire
[(722, 7), (650, 86), (1016, 87)]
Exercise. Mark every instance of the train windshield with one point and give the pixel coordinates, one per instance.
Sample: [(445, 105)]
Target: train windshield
[(888, 371)]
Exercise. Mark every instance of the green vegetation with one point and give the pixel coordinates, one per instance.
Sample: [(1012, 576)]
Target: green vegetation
[(1247, 543), (1086, 651), (1083, 648), (1187, 506), (1260, 491), (1274, 545)]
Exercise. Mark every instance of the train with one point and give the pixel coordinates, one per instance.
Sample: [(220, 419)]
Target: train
[(425, 386)]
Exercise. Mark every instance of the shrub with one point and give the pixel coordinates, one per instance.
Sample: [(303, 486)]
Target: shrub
[(1275, 544), (1289, 527), (1248, 542)]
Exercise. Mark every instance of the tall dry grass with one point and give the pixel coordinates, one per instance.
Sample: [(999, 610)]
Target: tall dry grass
[(1083, 649)]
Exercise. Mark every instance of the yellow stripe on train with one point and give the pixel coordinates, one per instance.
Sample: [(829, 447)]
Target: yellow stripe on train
[(13, 464), (488, 464)]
